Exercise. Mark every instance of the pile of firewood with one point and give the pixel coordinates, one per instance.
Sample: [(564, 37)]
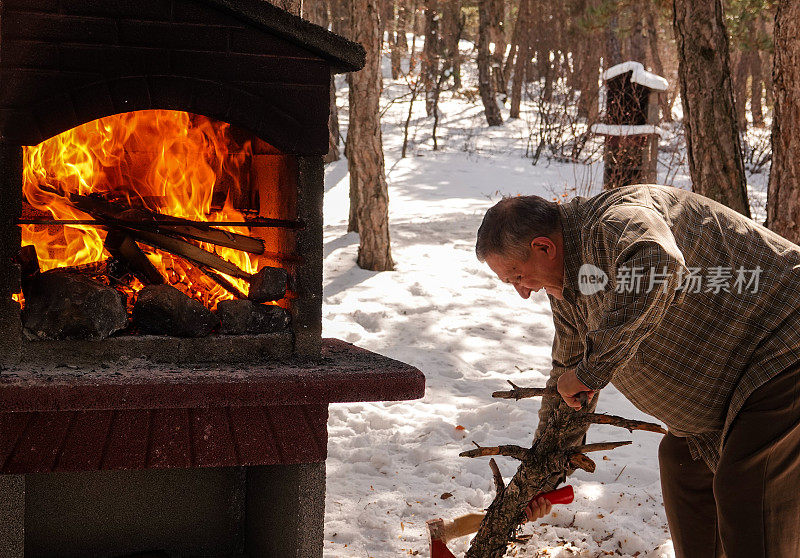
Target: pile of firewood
[(62, 291)]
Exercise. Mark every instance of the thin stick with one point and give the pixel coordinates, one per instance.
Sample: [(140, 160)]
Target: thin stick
[(220, 280), (499, 483)]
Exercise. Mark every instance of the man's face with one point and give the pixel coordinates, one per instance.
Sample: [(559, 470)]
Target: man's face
[(543, 269)]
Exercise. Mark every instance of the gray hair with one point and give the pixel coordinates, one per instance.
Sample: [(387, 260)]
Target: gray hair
[(512, 223)]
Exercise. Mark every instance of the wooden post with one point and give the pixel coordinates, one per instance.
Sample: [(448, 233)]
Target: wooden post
[(630, 125)]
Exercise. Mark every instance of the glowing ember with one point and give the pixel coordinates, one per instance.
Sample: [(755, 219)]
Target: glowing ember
[(165, 161)]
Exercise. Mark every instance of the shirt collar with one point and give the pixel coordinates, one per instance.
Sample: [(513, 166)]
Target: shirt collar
[(571, 235)]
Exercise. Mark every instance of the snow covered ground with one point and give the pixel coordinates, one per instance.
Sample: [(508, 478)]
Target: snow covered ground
[(391, 466)]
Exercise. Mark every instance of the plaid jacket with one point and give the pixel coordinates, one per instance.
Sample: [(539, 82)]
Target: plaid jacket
[(701, 307)]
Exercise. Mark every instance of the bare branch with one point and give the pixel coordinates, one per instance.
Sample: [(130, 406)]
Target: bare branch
[(631, 425), (499, 483), (522, 393), (600, 446), (516, 452), (580, 461)]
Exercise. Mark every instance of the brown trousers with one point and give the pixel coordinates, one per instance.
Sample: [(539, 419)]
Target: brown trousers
[(749, 508)]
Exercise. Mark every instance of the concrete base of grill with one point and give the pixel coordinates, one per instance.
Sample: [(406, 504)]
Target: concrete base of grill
[(215, 512)]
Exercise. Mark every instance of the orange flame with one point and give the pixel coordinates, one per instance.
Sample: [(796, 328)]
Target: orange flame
[(165, 161)]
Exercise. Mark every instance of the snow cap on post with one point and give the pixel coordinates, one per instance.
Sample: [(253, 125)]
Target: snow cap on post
[(638, 75)]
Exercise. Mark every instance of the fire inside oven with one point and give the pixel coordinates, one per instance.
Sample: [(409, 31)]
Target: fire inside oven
[(156, 222)]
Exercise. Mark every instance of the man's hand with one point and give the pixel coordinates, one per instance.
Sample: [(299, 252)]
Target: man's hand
[(536, 509), (569, 386)]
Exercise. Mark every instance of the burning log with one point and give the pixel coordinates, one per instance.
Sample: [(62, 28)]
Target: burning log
[(220, 280), (66, 305), (164, 310), (28, 262), (546, 463), (115, 214), (124, 248), (136, 224), (267, 285)]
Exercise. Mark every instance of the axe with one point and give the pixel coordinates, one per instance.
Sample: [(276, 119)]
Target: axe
[(441, 531)]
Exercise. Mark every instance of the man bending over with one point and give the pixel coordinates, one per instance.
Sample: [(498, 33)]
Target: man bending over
[(692, 311)]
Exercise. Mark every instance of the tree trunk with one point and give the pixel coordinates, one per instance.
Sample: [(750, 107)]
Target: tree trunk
[(756, 89), (523, 53), (712, 134), (317, 13), (783, 194), (292, 6), (365, 151), (739, 61), (352, 217), (452, 28), (412, 55), (430, 53), (333, 127), (395, 55), (769, 97), (766, 60), (637, 43), (387, 22), (613, 48), (497, 37), (655, 56), (546, 68), (512, 55), (485, 82), (340, 17), (403, 12), (589, 79), (520, 27)]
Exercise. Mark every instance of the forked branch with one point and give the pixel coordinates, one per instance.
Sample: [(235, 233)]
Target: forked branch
[(549, 460)]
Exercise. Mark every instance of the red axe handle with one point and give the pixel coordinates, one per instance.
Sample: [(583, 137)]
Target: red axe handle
[(563, 495)]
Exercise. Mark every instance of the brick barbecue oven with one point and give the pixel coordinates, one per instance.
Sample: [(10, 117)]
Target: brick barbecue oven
[(164, 383)]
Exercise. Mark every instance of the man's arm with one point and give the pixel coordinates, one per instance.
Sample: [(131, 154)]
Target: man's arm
[(639, 243), (568, 349)]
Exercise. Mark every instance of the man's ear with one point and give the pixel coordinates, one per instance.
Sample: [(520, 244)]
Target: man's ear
[(544, 244)]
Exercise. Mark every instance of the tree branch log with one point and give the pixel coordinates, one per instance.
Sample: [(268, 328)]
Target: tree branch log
[(522, 393), (600, 446), (190, 252), (542, 468), (516, 452), (630, 425), (140, 219)]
